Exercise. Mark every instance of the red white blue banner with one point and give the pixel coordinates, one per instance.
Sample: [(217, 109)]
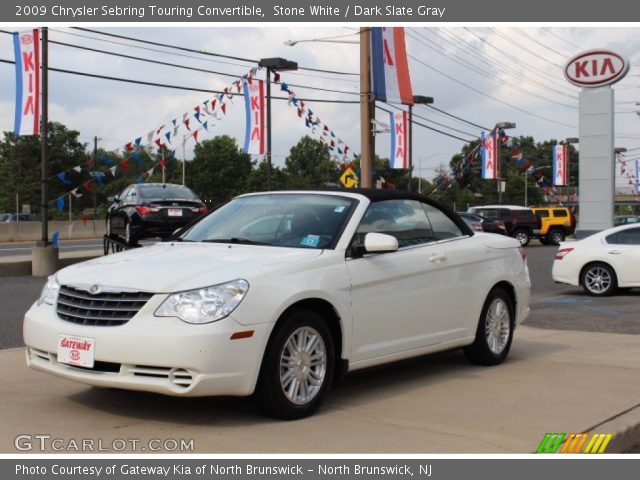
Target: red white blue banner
[(26, 46), (389, 67), (254, 140), (637, 176), (489, 153), (399, 124), (560, 163)]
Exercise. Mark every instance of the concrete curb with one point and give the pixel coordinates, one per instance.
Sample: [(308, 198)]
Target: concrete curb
[(625, 429), (22, 266)]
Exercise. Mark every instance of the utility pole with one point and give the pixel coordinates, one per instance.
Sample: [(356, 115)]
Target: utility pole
[(366, 110), (44, 154), (95, 169), (268, 128)]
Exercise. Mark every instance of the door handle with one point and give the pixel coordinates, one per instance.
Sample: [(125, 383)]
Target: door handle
[(614, 252), (437, 257)]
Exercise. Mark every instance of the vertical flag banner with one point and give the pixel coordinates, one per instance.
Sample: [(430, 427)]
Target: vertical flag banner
[(26, 46), (489, 152), (254, 106), (389, 68), (399, 122), (637, 176), (560, 163)]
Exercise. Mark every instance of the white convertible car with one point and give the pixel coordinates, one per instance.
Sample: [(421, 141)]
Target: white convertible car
[(280, 293)]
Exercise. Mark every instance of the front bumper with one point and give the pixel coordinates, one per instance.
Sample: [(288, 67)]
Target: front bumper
[(162, 355)]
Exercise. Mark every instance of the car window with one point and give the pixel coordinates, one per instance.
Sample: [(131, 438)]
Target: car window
[(560, 213), (127, 195), (625, 237), (491, 214), (166, 192), (541, 213), (442, 226), (282, 220), (404, 219)]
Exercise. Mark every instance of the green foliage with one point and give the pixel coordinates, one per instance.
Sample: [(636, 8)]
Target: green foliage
[(309, 165)]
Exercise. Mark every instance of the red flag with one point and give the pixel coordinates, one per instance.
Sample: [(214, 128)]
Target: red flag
[(159, 143), (186, 124), (124, 164), (163, 163), (129, 147), (213, 103), (276, 77), (87, 186), (85, 218), (195, 136), (158, 131), (223, 106)]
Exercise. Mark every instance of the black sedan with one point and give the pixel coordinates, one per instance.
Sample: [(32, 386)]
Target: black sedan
[(152, 210), (482, 224)]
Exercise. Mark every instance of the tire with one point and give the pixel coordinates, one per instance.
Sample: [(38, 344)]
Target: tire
[(555, 236), (296, 389), (598, 280), (129, 238), (522, 236), (544, 241), (495, 330)]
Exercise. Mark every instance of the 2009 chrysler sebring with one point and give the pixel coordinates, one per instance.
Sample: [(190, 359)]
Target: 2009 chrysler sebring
[(279, 293)]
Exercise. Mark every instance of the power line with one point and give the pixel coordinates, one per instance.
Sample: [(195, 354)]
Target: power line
[(456, 117), (488, 75), (423, 125), (535, 40), (175, 87), (190, 50), (548, 29), (504, 67), (490, 96), (526, 49)]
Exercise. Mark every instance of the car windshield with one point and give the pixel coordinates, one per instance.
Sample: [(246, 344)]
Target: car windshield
[(285, 220), (161, 192)]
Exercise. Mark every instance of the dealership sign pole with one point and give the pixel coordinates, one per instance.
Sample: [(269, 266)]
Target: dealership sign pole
[(595, 71)]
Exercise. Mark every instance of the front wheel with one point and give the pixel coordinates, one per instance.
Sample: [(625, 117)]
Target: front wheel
[(598, 280), (129, 238), (297, 368), (522, 236), (495, 330), (556, 236)]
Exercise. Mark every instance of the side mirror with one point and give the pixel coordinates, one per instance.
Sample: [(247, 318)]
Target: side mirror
[(380, 243), (112, 199)]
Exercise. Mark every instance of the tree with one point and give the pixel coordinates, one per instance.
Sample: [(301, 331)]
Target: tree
[(309, 165), (219, 170), (20, 166)]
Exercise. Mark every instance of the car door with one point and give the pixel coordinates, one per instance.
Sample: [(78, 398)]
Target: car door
[(622, 250), (404, 300), (118, 214)]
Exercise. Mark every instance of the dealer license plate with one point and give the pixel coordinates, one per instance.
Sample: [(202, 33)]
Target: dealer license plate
[(175, 212), (78, 351)]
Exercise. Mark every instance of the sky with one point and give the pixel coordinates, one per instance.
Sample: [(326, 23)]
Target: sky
[(484, 75)]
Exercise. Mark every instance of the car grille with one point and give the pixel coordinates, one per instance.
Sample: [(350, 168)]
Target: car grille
[(104, 309)]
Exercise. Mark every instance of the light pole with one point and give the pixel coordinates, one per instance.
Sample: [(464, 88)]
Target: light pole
[(496, 131), (420, 168), (417, 100), (280, 65)]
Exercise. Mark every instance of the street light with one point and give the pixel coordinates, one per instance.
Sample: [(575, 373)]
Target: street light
[(418, 100), (420, 168), (291, 43), (500, 126), (280, 65)]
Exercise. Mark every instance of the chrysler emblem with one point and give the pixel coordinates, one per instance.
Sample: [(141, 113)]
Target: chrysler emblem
[(94, 289)]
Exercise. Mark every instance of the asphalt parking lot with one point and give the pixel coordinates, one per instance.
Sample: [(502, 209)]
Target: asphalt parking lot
[(570, 370)]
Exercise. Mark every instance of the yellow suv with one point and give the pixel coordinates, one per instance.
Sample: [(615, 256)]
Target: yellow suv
[(556, 223)]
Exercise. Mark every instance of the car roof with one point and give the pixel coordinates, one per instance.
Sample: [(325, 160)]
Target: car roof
[(510, 207), (144, 185)]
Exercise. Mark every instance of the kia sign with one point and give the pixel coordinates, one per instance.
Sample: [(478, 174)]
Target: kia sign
[(596, 68)]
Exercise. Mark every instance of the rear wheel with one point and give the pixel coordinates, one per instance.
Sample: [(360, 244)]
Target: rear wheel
[(495, 330), (298, 366), (129, 237), (522, 236), (556, 236), (598, 280)]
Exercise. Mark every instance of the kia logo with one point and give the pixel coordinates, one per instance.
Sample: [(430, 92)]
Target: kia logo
[(26, 38), (596, 68)]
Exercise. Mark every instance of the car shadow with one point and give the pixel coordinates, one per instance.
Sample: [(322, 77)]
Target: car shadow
[(358, 388)]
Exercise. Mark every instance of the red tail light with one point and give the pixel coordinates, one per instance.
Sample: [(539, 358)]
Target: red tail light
[(144, 210), (199, 210), (523, 254), (563, 252), (477, 227)]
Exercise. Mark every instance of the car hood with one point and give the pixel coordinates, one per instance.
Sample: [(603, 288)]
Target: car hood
[(170, 267)]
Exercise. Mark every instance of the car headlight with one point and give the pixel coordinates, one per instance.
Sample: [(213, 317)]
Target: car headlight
[(50, 291), (204, 305)]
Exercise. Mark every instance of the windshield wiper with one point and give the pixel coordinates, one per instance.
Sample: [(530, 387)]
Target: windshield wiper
[(240, 240)]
